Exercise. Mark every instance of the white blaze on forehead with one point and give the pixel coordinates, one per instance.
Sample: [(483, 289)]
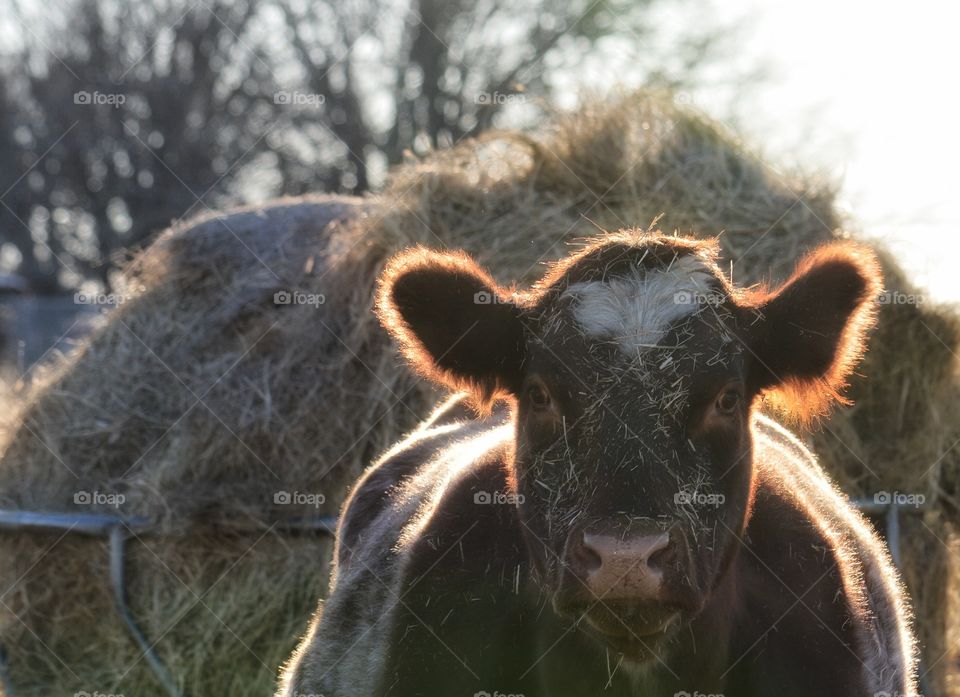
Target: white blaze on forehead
[(636, 310)]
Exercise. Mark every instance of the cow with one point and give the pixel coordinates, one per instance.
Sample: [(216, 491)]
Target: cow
[(602, 509)]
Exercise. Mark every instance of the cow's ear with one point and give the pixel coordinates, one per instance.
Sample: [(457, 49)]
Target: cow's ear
[(804, 338), (454, 324)]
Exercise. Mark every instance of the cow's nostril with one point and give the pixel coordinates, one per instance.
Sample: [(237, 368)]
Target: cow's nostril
[(661, 558), (585, 559)]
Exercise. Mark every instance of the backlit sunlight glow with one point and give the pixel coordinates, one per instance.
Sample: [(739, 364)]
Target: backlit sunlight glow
[(865, 81)]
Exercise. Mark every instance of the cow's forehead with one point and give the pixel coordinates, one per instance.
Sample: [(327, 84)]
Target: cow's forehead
[(636, 309), (643, 335)]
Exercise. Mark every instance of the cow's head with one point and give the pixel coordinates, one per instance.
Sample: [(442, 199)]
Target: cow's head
[(633, 365)]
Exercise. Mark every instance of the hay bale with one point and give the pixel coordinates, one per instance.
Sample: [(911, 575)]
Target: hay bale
[(201, 393), (514, 200), (197, 401), (300, 398)]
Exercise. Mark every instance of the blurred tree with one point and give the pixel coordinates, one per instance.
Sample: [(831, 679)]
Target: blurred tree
[(138, 112), (126, 115)]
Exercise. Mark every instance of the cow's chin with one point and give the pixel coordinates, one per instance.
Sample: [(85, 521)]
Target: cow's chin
[(637, 632), (635, 649)]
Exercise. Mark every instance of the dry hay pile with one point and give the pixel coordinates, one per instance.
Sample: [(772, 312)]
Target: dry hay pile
[(200, 398)]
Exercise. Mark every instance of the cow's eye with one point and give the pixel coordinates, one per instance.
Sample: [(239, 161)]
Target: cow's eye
[(728, 401), (538, 396)]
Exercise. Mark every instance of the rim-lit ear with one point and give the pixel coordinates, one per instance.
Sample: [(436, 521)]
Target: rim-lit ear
[(454, 324), (804, 338)]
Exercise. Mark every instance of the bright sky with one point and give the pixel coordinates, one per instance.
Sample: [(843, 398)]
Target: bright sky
[(869, 90)]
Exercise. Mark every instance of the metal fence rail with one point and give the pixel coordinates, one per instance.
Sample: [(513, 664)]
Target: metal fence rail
[(117, 530)]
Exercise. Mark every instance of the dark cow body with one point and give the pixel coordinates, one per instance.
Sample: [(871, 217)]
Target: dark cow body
[(455, 575)]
